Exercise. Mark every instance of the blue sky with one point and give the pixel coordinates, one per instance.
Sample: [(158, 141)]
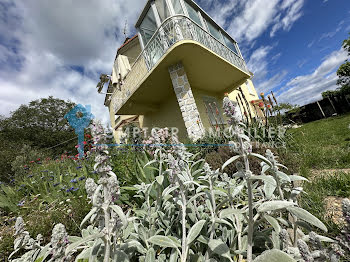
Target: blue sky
[(59, 48)]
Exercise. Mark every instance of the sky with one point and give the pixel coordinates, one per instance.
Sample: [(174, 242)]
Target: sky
[(60, 48)]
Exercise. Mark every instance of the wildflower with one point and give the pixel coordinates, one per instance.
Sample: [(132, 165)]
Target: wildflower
[(55, 185), (262, 94), (82, 178), (76, 189), (59, 242), (90, 187), (315, 240), (261, 104), (284, 238), (19, 226), (305, 251), (253, 102), (21, 203), (70, 190), (32, 162), (230, 111), (78, 167), (74, 180)]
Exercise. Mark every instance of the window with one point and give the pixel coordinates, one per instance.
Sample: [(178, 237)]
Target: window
[(215, 32), (177, 7), (213, 110), (230, 44), (193, 14), (148, 27), (162, 9)]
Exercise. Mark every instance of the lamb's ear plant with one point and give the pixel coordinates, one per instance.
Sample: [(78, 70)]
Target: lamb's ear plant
[(269, 203), (52, 252), (190, 212), (343, 247), (103, 240), (23, 241)]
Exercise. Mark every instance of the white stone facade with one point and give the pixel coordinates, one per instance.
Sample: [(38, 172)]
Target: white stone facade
[(188, 107)]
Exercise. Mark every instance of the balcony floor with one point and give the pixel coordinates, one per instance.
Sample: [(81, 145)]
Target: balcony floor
[(205, 70)]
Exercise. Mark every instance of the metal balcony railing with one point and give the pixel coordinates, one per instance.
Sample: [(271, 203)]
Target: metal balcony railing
[(172, 30)]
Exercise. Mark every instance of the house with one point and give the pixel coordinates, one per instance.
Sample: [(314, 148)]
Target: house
[(176, 71)]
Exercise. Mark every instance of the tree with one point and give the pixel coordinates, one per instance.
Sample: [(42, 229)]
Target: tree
[(330, 93), (344, 71), (284, 107), (346, 45), (344, 76), (41, 124)]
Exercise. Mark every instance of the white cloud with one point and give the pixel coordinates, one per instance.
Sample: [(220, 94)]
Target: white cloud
[(259, 63), (270, 84), (44, 40), (293, 13), (308, 88), (247, 20), (256, 17), (332, 33)]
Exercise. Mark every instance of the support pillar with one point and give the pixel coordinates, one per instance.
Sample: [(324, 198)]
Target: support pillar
[(188, 107)]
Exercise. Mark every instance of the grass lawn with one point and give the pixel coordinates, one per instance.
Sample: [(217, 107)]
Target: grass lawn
[(321, 152), (323, 144)]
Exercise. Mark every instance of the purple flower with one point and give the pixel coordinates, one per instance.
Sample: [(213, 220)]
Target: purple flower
[(21, 204), (82, 178), (78, 167), (74, 181), (76, 189), (70, 189), (56, 184)]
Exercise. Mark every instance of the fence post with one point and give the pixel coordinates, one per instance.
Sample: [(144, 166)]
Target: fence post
[(321, 109), (332, 105)]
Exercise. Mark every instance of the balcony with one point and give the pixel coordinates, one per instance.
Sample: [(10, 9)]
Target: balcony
[(174, 31)]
